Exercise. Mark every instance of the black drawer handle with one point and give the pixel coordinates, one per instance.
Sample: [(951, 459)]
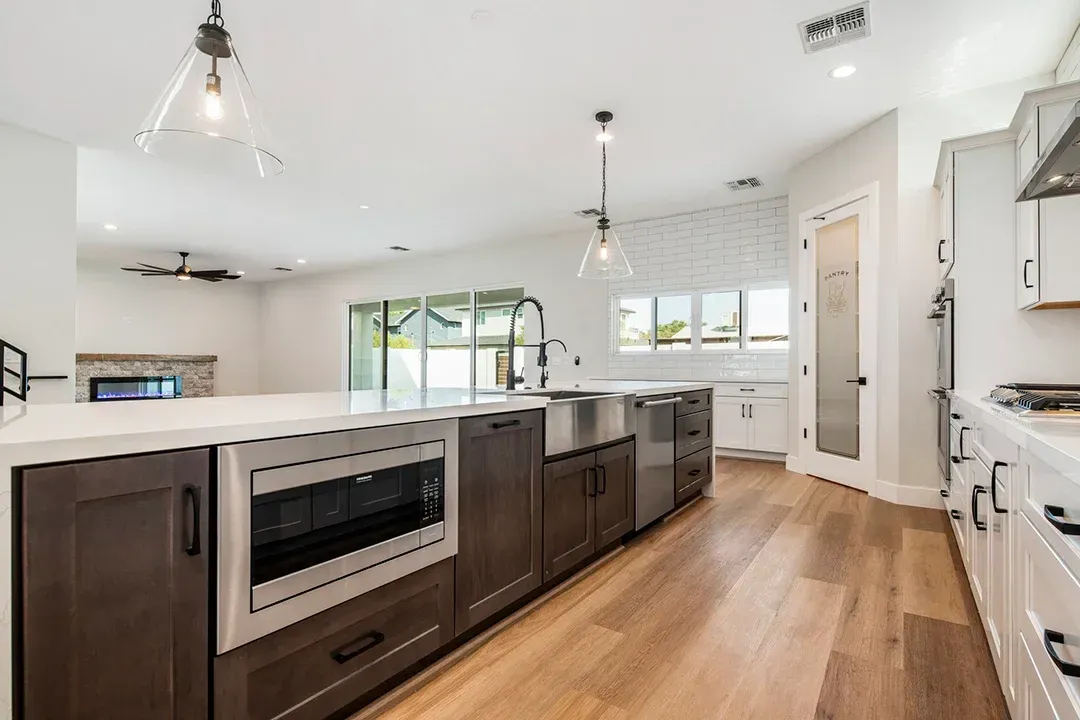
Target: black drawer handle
[(955, 416), (744, 410), (751, 410), (1055, 514), (1049, 638), (590, 490), (975, 492), (1026, 284), (692, 433), (993, 487), (365, 642), (694, 473), (693, 402), (962, 455), (508, 423), (956, 515), (940, 245), (747, 389), (602, 472), (944, 493), (194, 495), (956, 459)]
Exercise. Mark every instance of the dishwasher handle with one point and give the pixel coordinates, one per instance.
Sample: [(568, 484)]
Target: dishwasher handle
[(657, 403)]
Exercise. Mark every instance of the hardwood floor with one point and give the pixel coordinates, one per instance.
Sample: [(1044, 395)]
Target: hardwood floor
[(784, 597)]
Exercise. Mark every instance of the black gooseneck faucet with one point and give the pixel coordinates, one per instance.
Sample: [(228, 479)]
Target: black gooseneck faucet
[(511, 378)]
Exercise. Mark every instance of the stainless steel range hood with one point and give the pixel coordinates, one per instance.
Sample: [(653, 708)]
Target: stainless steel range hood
[(1057, 171)]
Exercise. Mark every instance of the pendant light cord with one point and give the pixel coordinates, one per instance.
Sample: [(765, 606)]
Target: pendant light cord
[(214, 18), (603, 194)]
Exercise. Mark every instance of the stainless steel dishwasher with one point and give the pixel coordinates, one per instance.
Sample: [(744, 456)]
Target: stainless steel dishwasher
[(655, 458)]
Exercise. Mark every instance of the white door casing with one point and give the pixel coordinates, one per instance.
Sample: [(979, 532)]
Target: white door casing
[(839, 297)]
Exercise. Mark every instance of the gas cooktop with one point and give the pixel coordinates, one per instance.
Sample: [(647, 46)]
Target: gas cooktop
[(1038, 400)]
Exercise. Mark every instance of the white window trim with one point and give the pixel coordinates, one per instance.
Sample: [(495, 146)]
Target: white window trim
[(696, 346)]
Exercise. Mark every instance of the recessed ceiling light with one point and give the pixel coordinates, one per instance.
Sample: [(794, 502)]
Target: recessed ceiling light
[(110, 227), (364, 207), (301, 261), (842, 71), (239, 272)]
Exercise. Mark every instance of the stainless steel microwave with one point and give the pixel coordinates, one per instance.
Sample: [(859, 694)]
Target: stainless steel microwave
[(308, 522)]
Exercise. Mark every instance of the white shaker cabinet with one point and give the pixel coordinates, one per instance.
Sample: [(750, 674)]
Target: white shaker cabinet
[(750, 420), (729, 422), (768, 425), (1047, 251)]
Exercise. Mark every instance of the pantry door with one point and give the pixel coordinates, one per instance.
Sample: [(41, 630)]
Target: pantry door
[(838, 341)]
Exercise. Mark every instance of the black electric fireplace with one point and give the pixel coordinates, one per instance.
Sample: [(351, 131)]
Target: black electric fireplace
[(157, 387)]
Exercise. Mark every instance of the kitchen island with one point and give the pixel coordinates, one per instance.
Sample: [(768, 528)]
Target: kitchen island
[(171, 456)]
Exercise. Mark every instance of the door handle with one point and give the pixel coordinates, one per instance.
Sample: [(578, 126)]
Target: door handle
[(194, 496), (1026, 284), (940, 245), (993, 487), (362, 644), (975, 491), (602, 470), (861, 381), (1067, 668), (591, 493), (1055, 515)]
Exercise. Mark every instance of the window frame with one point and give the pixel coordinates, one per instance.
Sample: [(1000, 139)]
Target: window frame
[(696, 346)]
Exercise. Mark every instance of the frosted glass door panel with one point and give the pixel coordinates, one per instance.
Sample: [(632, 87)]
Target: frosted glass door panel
[(837, 307)]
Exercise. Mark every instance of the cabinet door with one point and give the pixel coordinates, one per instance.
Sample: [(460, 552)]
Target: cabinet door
[(569, 513), (998, 618), (768, 425), (1059, 252), (115, 596), (614, 493), (730, 424), (1027, 227), (500, 511), (979, 535), (946, 251)]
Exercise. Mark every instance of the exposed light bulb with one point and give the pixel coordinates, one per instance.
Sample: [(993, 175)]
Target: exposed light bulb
[(212, 99), (603, 250), (183, 277), (604, 136)]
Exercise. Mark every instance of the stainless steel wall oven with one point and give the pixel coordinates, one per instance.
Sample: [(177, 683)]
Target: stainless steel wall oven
[(308, 522)]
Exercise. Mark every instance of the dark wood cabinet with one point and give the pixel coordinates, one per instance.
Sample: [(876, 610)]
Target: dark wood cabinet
[(500, 513), (114, 597), (614, 493), (321, 665), (569, 513)]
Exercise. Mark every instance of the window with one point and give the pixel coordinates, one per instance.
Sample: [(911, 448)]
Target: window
[(721, 320), (754, 318), (434, 340)]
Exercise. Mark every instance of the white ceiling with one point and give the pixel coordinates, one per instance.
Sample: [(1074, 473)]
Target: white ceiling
[(457, 130)]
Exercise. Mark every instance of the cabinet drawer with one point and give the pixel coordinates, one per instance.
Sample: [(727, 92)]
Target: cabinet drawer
[(1049, 596), (316, 667), (768, 390), (694, 402), (692, 473), (692, 433), (1032, 698), (1040, 487)]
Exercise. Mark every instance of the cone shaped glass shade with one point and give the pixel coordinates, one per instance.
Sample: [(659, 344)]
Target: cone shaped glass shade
[(604, 259), (220, 132)]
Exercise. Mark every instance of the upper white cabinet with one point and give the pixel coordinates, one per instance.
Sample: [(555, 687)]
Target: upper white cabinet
[(946, 247), (1047, 248)]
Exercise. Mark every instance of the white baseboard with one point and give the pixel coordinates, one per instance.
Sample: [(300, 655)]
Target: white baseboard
[(795, 465), (748, 454), (927, 497)]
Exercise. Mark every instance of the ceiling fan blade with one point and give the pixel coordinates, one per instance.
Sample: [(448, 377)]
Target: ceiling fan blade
[(155, 267), (208, 273), (207, 279), (229, 277), (156, 274)]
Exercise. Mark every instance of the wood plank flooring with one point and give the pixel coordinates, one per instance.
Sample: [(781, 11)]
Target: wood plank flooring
[(784, 597)]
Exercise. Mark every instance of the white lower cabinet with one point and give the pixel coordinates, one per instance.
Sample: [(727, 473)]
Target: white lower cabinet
[(751, 418), (978, 539)]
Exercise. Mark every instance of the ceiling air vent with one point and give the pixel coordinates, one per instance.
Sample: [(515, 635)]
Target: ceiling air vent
[(283, 269), (398, 248), (588, 213), (744, 184), (844, 26)]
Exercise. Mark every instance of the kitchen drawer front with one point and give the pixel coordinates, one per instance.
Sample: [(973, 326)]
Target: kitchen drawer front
[(1049, 598), (692, 433), (692, 473), (767, 390), (1032, 697), (694, 402), (992, 446), (1040, 487), (316, 667)]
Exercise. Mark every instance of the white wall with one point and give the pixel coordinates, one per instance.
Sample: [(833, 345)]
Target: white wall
[(302, 321), (37, 262), (714, 249), (122, 312), (865, 157)]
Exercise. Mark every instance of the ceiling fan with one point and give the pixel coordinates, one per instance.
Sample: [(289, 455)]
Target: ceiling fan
[(184, 272)]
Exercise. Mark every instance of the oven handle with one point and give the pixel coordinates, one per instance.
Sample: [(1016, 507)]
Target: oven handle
[(362, 644)]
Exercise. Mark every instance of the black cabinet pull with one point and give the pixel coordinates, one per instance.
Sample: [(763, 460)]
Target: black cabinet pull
[(590, 490), (692, 433), (694, 473), (194, 495), (1055, 515), (1026, 263), (362, 644), (956, 515), (944, 493), (955, 416), (993, 487), (956, 459), (747, 389), (744, 409), (975, 491), (940, 245), (1067, 668), (751, 411), (693, 402), (508, 423), (963, 455), (602, 470)]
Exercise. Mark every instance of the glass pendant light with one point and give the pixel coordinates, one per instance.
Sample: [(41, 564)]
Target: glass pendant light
[(208, 116), (604, 258)]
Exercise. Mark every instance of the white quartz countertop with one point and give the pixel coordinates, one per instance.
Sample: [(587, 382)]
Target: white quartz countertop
[(1055, 442), (640, 388), (33, 434)]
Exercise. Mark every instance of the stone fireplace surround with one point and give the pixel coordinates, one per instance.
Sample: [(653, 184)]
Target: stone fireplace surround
[(197, 371)]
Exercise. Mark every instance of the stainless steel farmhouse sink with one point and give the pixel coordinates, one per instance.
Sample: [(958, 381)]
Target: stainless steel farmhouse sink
[(578, 419)]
